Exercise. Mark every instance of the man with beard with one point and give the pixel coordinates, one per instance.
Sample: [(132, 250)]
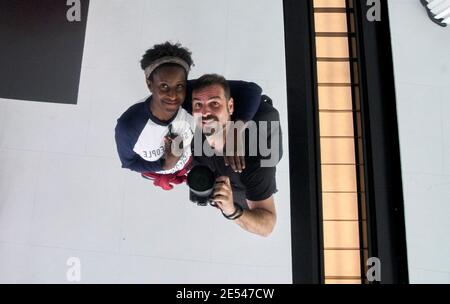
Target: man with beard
[(244, 197)]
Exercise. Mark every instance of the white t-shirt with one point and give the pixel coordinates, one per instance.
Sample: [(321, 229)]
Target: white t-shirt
[(150, 143)]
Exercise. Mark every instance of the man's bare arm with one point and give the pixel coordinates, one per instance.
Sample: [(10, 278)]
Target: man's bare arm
[(260, 218)]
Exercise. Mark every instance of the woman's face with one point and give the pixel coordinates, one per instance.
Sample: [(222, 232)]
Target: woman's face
[(168, 88)]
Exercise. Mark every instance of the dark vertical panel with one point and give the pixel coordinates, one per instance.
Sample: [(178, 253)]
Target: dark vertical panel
[(384, 203), (357, 126), (304, 153), (41, 51)]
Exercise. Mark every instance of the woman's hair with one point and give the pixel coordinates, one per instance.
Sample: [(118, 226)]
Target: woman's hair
[(164, 50)]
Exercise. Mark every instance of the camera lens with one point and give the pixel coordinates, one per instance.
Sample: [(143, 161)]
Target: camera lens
[(201, 182)]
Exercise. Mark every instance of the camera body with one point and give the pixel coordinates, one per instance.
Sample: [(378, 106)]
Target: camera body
[(201, 181)]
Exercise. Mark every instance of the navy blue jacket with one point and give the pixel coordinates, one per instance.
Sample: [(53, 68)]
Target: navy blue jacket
[(247, 98)]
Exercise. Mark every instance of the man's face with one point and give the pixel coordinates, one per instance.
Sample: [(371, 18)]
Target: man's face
[(168, 88), (213, 107)]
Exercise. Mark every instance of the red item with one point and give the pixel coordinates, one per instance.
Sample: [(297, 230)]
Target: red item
[(165, 181)]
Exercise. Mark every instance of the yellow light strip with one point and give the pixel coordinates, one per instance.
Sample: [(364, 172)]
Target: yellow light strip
[(339, 165)]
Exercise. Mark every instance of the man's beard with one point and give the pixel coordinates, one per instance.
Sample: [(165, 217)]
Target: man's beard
[(214, 127), (211, 128)]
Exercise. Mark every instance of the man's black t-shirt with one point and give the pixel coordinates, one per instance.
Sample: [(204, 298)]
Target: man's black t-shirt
[(256, 182)]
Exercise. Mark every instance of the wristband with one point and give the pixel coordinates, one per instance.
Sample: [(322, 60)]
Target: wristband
[(236, 214)]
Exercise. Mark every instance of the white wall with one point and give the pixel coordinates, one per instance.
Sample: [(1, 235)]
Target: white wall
[(63, 193), (422, 73)]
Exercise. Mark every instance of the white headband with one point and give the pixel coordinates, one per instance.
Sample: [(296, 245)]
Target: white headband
[(168, 59)]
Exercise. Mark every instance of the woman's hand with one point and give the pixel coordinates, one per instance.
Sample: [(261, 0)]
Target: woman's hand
[(170, 160), (236, 139)]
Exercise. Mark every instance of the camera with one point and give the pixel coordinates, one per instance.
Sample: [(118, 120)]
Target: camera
[(201, 180)]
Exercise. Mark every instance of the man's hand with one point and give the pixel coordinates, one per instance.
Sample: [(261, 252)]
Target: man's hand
[(170, 160), (223, 195)]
